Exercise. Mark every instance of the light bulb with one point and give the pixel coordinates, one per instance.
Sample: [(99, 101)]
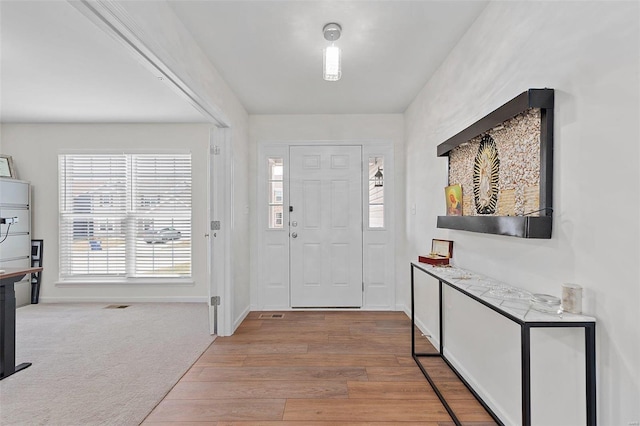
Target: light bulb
[(332, 66)]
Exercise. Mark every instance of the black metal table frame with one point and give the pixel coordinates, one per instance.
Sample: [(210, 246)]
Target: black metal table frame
[(525, 342), (8, 328)]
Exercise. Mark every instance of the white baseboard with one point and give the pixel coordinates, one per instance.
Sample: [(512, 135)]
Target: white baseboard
[(362, 309), (405, 309), (486, 397), (497, 409), (171, 299), (421, 326), (241, 318), (382, 308), (402, 308), (428, 333), (272, 308)]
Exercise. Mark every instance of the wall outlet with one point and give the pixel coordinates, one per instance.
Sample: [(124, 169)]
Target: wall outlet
[(8, 220)]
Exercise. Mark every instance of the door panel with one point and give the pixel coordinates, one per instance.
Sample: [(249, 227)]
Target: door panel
[(219, 263), (311, 201), (325, 226), (339, 199)]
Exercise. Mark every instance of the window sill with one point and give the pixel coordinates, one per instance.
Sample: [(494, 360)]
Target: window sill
[(165, 282)]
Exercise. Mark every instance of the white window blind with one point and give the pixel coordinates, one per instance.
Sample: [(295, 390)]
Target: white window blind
[(162, 215), (125, 216)]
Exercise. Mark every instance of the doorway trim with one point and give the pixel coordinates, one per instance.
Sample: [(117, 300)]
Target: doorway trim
[(270, 289), (219, 266), (156, 55)]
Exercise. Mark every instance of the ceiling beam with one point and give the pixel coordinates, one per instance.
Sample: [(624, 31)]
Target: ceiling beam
[(114, 20)]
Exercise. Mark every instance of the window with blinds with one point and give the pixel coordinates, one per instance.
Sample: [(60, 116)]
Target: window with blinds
[(125, 216)]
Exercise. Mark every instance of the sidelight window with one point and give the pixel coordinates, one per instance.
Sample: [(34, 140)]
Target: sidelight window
[(275, 196), (376, 192)]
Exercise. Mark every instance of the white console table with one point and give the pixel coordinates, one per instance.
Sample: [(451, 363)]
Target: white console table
[(474, 286)]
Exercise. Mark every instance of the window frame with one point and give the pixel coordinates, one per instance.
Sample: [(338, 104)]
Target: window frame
[(132, 215), (273, 200), (369, 181)]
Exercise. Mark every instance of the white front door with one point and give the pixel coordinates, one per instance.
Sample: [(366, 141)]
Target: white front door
[(325, 226)]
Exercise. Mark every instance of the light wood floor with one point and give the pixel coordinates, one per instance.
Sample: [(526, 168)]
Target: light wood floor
[(317, 368)]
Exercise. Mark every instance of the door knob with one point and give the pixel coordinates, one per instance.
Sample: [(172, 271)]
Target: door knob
[(294, 235)]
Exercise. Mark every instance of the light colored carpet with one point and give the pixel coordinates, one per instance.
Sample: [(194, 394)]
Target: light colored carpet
[(96, 366)]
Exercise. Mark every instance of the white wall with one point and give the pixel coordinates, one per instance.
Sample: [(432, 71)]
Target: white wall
[(589, 53), (165, 34), (156, 26), (323, 127), (240, 227), (35, 149)]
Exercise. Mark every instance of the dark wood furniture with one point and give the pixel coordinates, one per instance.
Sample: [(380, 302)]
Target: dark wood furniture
[(8, 278)]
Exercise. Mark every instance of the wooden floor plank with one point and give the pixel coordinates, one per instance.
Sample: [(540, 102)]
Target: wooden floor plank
[(263, 337), (267, 389), (469, 423), (212, 359), (314, 359), (405, 361), (250, 324), (454, 389), (317, 368), (208, 410), (173, 423), (257, 348), (400, 341), (391, 390), (437, 368), (469, 411), (226, 374), (329, 423), (371, 410), (357, 347), (372, 329), (398, 374)]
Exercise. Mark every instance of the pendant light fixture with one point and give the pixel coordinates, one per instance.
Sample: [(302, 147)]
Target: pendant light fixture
[(332, 69)]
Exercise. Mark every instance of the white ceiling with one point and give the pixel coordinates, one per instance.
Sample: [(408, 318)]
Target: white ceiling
[(270, 52), (57, 66)]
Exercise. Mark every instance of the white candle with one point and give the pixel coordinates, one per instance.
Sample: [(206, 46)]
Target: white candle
[(572, 298)]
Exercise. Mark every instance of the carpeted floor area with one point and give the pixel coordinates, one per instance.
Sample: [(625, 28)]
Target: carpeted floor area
[(97, 366)]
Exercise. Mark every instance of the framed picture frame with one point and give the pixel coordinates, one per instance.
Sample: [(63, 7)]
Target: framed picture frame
[(6, 167), (36, 277), (453, 195), (36, 252)]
